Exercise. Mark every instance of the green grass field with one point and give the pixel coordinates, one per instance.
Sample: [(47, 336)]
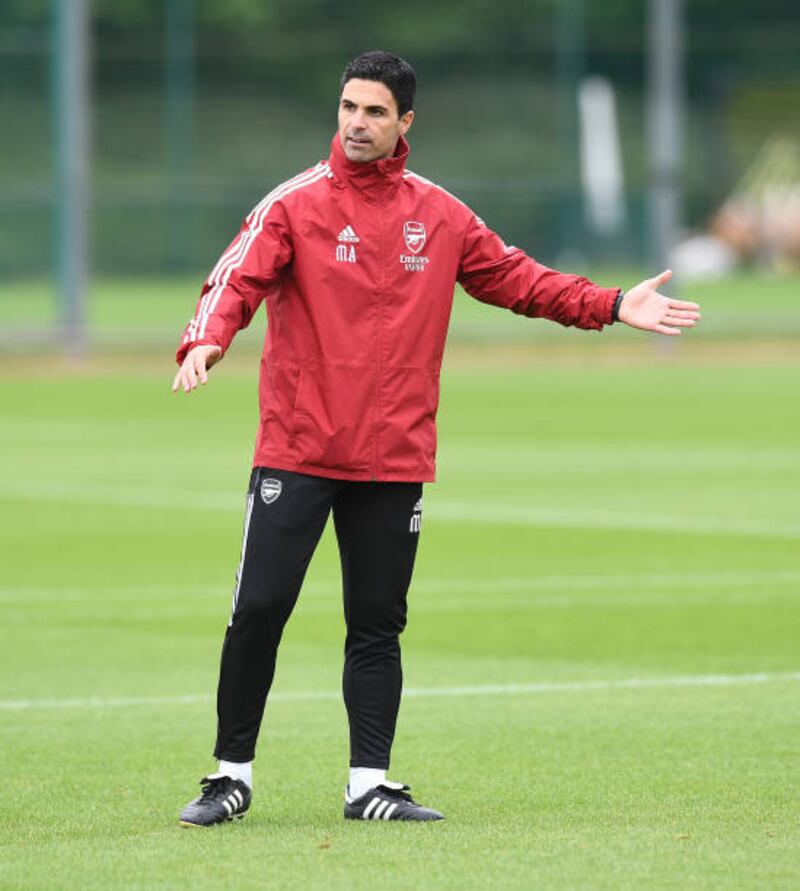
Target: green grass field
[(127, 313), (602, 661)]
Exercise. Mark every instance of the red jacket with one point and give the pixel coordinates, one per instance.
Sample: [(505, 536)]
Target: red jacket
[(357, 264)]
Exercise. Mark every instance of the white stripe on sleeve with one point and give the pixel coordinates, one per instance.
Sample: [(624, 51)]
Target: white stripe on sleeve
[(235, 255)]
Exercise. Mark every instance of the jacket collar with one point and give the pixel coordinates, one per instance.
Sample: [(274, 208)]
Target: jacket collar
[(372, 177)]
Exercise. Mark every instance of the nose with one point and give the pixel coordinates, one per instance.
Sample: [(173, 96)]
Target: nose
[(357, 120)]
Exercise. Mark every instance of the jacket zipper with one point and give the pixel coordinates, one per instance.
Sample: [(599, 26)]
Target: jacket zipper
[(379, 344)]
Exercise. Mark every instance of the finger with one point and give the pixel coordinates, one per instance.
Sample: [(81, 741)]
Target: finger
[(190, 377), (682, 314), (200, 367), (682, 304), (682, 311), (665, 329), (176, 382), (662, 278), (680, 323)]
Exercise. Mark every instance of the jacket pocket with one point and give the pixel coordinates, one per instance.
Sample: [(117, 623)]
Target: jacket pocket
[(333, 419), (409, 401)]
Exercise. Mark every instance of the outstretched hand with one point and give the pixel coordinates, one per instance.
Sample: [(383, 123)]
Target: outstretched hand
[(643, 307), (195, 367)]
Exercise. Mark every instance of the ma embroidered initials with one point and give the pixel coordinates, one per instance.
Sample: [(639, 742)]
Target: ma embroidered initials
[(346, 253)]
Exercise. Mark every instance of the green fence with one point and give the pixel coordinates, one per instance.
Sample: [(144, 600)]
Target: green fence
[(200, 106)]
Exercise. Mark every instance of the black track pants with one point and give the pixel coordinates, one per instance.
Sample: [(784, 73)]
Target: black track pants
[(377, 527)]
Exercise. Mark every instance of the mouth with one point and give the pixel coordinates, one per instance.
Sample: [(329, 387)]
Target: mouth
[(359, 140)]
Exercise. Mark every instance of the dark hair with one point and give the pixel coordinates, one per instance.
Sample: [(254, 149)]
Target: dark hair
[(390, 70)]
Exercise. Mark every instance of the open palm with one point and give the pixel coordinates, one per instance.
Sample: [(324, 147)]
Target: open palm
[(643, 307)]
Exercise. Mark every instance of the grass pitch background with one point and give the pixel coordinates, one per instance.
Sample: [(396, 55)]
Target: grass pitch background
[(608, 511)]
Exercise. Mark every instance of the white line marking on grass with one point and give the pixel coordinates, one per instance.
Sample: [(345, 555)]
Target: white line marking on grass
[(524, 584), (448, 511), (141, 496), (461, 456), (697, 680), (577, 518), (426, 584), (676, 591), (533, 593), (701, 680), (19, 705)]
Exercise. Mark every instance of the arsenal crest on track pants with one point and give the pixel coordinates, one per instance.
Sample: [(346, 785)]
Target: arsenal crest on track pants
[(377, 527)]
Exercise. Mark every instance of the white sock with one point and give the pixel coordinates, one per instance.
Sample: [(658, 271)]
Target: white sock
[(362, 779), (238, 770)]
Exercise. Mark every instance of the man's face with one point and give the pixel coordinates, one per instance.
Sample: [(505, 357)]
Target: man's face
[(369, 126)]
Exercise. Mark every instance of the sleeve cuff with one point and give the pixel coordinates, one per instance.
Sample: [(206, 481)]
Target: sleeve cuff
[(184, 348), (616, 306)]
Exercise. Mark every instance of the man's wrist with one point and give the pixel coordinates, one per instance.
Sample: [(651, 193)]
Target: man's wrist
[(617, 303)]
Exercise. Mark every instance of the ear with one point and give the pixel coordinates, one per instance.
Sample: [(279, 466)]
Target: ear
[(405, 122)]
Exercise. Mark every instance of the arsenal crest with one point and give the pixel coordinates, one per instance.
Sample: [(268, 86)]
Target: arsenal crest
[(270, 490), (414, 236)]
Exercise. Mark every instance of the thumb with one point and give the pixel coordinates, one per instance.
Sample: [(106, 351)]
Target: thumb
[(662, 278)]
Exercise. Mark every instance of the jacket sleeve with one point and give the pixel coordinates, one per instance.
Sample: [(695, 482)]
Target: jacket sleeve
[(237, 284), (496, 273)]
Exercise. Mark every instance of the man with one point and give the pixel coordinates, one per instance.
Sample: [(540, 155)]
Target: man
[(357, 259)]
